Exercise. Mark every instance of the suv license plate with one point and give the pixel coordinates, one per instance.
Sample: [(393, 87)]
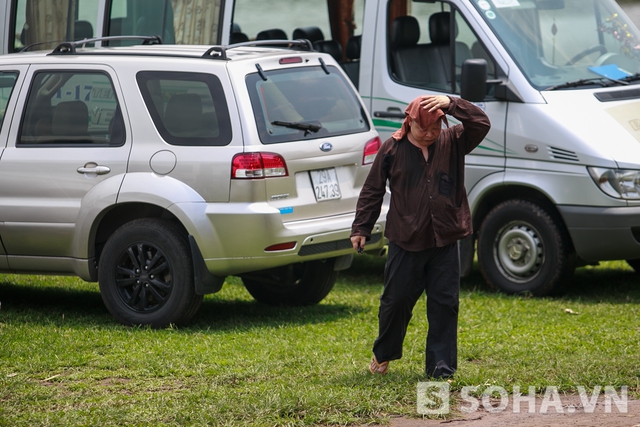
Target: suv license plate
[(325, 184)]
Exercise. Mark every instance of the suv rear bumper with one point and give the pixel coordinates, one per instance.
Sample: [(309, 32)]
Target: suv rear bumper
[(247, 230)]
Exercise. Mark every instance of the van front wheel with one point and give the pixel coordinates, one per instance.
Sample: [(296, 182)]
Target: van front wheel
[(521, 248), (304, 283)]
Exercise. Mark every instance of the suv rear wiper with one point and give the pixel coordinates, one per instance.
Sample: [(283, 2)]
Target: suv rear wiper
[(585, 82), (306, 127)]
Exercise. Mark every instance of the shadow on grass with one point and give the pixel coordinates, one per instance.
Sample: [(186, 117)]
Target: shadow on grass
[(604, 283), (47, 300), (46, 305), (365, 269), (587, 285), (243, 315)]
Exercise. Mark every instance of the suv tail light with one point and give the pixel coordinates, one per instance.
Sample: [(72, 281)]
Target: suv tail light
[(258, 165), (371, 150)]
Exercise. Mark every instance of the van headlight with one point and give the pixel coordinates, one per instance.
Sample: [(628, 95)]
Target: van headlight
[(618, 183)]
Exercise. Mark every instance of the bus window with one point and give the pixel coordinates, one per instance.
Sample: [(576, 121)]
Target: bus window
[(176, 21), (44, 24)]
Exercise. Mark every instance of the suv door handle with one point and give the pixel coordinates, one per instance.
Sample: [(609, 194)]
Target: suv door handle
[(92, 168)]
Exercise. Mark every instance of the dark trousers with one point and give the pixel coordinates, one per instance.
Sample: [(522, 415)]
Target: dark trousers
[(407, 275)]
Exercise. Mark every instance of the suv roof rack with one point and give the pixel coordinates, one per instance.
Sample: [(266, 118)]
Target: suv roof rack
[(220, 52), (69, 47), (214, 52)]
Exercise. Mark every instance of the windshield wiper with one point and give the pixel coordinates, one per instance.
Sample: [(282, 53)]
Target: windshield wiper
[(585, 82), (631, 78), (306, 127)]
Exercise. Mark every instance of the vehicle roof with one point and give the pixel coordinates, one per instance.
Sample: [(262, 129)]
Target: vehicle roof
[(241, 51)]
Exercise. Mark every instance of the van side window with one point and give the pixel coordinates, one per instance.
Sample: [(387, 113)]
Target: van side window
[(7, 82), (425, 51), (71, 108), (44, 24), (187, 108)]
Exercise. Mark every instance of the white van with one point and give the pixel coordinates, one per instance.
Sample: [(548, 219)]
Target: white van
[(556, 183)]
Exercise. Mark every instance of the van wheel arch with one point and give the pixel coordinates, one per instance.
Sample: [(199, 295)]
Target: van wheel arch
[(514, 192)]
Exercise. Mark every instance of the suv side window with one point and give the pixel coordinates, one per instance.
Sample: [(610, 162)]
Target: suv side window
[(187, 108), (7, 81), (72, 108)]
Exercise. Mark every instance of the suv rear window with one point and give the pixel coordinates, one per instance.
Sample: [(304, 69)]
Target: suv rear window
[(186, 108), (304, 103)]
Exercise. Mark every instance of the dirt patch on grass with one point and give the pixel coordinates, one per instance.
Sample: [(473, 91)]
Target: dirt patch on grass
[(570, 413)]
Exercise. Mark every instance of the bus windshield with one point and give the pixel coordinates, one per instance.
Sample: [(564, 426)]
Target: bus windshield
[(562, 44)]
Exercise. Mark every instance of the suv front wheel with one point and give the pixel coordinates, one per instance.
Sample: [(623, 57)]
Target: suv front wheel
[(146, 275), (304, 283)]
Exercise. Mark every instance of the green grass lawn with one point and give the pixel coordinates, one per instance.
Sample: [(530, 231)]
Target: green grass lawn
[(65, 362)]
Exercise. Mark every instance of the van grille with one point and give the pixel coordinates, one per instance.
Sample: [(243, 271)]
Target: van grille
[(617, 95), (560, 154)]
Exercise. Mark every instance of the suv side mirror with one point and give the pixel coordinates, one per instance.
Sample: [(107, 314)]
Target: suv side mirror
[(473, 82)]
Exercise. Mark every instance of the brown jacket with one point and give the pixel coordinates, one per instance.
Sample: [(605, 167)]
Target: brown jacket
[(429, 205)]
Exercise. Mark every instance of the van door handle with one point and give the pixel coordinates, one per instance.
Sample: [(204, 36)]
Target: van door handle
[(92, 168), (389, 114)]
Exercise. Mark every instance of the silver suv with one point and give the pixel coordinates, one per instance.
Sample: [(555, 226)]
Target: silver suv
[(159, 170)]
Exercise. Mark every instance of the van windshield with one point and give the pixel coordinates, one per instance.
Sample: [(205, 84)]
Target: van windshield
[(562, 44)]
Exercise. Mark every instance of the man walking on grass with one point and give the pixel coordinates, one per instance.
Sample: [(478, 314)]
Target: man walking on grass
[(423, 165)]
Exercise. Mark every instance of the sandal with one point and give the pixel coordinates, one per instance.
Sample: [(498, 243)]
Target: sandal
[(378, 368)]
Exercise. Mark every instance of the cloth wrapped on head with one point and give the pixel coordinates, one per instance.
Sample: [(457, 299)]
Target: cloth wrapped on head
[(424, 118)]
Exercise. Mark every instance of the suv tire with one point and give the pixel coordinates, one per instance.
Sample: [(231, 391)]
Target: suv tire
[(304, 283), (146, 275)]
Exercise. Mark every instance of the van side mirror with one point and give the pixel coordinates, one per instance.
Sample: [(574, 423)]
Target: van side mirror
[(473, 82)]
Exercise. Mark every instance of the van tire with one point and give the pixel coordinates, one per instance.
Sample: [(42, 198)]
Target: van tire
[(161, 247), (304, 283), (635, 264), (522, 248)]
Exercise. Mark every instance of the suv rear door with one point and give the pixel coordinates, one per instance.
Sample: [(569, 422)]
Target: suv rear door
[(67, 153), (10, 77), (312, 117)]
